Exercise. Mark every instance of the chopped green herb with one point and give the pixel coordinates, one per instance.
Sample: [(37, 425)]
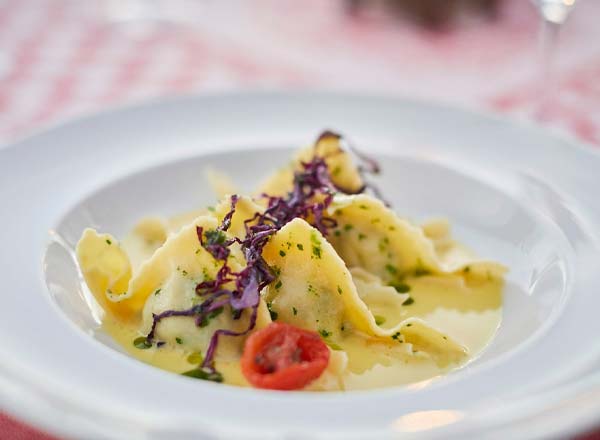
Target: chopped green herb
[(333, 346), (348, 227), (467, 269), (316, 250), (211, 315), (142, 343), (337, 233), (421, 271), (108, 242), (361, 236), (204, 374), (365, 207), (282, 253), (278, 285), (289, 245), (391, 269), (324, 333), (179, 340), (294, 311), (396, 336), (379, 319), (445, 337), (408, 301), (401, 287), (198, 251), (184, 272), (214, 236), (375, 220), (272, 312), (195, 358), (339, 290), (300, 247), (157, 291), (409, 324), (211, 208), (392, 228)]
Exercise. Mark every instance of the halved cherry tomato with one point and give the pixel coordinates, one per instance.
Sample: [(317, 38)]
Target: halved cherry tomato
[(283, 357)]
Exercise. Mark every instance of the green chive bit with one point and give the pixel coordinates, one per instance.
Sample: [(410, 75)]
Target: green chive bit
[(408, 301), (396, 336), (361, 236), (339, 290), (337, 233), (272, 312), (391, 269), (401, 287), (324, 333), (195, 358), (294, 311), (278, 285), (300, 246), (379, 319), (211, 315), (365, 207), (142, 343), (316, 250), (333, 346), (179, 340), (204, 374), (282, 253), (108, 242), (157, 291), (348, 227)]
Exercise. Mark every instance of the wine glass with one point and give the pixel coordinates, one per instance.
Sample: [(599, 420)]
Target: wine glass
[(553, 13)]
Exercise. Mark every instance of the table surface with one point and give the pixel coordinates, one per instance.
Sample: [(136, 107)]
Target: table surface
[(63, 58)]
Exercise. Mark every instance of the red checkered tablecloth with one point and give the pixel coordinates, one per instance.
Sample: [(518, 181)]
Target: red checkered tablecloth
[(63, 58)]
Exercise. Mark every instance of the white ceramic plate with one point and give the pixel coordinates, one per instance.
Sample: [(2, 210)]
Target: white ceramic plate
[(514, 193)]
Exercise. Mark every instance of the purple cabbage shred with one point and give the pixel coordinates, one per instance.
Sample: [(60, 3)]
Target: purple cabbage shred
[(312, 193)]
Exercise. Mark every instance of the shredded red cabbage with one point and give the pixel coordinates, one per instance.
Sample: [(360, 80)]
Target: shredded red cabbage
[(312, 193)]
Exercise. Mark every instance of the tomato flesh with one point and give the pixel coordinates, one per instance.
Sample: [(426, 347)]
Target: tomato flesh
[(283, 357)]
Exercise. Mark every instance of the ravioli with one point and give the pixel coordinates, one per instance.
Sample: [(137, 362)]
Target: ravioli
[(372, 236), (390, 301), (315, 290)]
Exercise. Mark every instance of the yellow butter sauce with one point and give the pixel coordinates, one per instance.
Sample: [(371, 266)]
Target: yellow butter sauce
[(467, 310)]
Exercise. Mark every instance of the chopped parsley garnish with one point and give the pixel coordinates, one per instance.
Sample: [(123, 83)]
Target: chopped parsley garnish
[(421, 272), (391, 269), (401, 287), (337, 233), (379, 319), (339, 290), (316, 250), (108, 242), (205, 374), (294, 311), (179, 340), (365, 207), (142, 343), (300, 246), (361, 236), (348, 227), (216, 312), (333, 346), (278, 285), (396, 336), (324, 333), (157, 291), (272, 312), (282, 253), (215, 237), (467, 269), (408, 301)]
